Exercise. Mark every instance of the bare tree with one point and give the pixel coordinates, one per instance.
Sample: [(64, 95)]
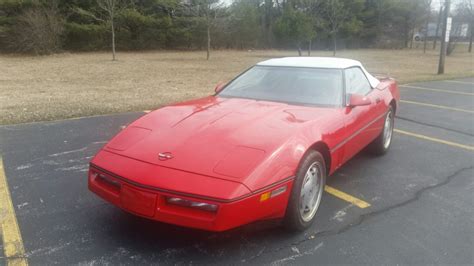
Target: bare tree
[(427, 22), (438, 24), (209, 10), (111, 8), (453, 40), (208, 27), (310, 8), (336, 14), (38, 30), (416, 12), (467, 10), (463, 14), (268, 17)]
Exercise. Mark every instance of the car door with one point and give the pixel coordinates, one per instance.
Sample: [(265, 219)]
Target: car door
[(362, 123)]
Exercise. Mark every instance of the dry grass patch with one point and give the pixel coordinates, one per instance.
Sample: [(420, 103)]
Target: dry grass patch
[(72, 85)]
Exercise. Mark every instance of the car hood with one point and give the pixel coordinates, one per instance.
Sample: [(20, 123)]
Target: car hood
[(219, 137)]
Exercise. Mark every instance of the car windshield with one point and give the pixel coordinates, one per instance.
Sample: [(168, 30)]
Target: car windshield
[(293, 85)]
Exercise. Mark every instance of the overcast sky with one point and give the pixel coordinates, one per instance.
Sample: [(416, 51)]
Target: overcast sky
[(435, 4)]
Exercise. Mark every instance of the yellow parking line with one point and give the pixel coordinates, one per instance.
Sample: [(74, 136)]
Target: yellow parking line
[(450, 143), (438, 106), (344, 196), (147, 111), (12, 243), (437, 90), (458, 81)]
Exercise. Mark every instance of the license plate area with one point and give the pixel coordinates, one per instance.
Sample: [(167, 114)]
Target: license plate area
[(137, 201)]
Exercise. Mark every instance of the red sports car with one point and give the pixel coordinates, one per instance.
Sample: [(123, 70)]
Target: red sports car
[(260, 148)]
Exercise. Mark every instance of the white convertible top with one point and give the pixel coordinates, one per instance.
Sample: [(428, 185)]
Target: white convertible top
[(319, 62)]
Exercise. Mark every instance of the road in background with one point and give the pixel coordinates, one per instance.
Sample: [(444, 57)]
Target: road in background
[(421, 194)]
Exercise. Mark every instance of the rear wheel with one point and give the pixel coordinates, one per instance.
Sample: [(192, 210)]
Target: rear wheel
[(382, 143), (307, 192)]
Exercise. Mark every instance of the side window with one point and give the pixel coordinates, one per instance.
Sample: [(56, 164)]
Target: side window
[(356, 81)]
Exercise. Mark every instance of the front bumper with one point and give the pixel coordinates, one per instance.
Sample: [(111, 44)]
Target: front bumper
[(151, 203)]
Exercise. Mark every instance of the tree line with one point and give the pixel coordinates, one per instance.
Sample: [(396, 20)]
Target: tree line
[(49, 26)]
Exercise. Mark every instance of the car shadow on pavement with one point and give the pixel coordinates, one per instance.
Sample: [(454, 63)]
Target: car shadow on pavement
[(151, 238), (172, 244), (175, 244)]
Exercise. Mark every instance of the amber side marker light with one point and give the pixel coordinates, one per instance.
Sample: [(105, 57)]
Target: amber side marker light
[(192, 204), (270, 194)]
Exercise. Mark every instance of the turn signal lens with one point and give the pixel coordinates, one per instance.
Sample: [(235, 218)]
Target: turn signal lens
[(192, 204), (265, 196), (270, 194)]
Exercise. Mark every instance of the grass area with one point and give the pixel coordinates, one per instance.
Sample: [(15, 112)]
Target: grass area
[(72, 85)]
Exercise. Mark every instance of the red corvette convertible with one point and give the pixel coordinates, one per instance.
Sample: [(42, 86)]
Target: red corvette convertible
[(260, 148)]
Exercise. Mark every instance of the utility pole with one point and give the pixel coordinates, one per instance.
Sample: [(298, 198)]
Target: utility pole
[(444, 37)]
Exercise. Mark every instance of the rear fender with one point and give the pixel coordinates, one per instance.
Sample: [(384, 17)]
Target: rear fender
[(390, 86)]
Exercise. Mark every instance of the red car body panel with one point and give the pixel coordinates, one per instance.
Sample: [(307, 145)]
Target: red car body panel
[(228, 152), (149, 200)]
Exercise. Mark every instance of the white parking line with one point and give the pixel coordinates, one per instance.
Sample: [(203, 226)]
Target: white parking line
[(437, 90), (450, 143), (458, 81), (438, 106)]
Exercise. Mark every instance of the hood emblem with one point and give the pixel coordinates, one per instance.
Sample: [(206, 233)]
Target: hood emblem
[(163, 156)]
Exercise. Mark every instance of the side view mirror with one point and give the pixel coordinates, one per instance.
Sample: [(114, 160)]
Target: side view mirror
[(219, 86), (358, 100)]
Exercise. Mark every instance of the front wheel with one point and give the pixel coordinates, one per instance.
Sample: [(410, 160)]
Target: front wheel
[(382, 143), (307, 192)]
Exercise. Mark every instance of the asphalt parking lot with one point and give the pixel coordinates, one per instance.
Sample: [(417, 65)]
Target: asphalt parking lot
[(421, 197)]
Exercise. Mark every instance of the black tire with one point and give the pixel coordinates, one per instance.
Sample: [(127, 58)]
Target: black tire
[(379, 146), (293, 219)]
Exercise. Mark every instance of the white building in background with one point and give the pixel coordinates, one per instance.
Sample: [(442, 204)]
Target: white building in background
[(458, 30)]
